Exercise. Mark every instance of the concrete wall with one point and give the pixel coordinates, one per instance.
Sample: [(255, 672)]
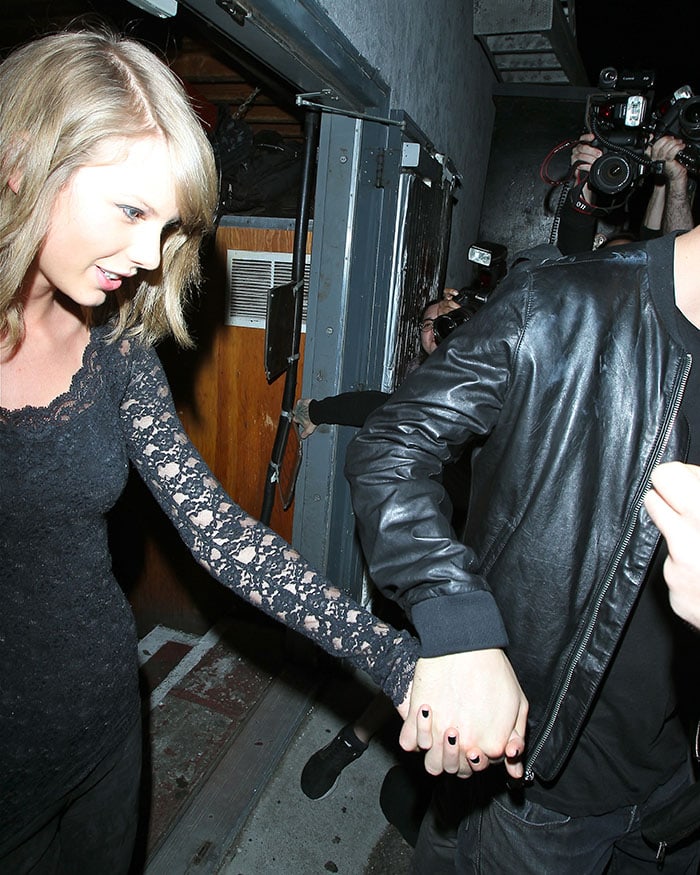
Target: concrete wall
[(438, 74)]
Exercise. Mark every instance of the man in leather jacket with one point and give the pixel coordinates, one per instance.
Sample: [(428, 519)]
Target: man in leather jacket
[(573, 383)]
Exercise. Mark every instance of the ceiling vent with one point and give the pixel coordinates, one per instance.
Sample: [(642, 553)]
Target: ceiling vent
[(531, 41)]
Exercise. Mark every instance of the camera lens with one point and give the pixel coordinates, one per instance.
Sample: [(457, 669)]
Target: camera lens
[(446, 324), (689, 118), (610, 174)]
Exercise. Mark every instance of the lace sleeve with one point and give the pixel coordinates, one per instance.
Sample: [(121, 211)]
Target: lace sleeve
[(241, 552)]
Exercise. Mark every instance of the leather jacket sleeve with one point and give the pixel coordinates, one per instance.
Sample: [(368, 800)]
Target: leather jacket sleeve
[(395, 463)]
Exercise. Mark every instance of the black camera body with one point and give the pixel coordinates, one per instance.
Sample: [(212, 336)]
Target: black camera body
[(679, 116), (635, 81), (488, 261), (444, 325), (621, 166), (620, 121)]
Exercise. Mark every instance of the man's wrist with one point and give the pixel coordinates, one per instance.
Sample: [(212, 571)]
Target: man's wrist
[(580, 203)]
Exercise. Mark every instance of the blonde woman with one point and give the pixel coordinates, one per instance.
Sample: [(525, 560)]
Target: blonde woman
[(108, 186)]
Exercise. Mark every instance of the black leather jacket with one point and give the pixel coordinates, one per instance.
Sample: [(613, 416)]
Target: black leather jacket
[(568, 382)]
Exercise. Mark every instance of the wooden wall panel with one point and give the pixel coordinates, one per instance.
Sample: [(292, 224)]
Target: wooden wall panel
[(230, 412)]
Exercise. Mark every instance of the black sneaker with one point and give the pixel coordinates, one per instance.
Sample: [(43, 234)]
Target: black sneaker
[(320, 774)]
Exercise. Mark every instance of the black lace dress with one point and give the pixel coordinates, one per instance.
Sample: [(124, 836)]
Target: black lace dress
[(68, 688)]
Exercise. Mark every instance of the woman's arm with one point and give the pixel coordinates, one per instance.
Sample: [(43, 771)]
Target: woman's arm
[(241, 552)]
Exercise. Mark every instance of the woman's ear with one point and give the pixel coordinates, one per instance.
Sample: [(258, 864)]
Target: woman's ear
[(14, 182)]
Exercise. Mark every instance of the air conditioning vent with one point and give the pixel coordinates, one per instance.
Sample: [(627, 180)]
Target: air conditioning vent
[(249, 277)]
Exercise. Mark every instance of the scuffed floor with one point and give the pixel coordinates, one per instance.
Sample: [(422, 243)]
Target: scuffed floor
[(344, 833), (197, 692), (202, 695)]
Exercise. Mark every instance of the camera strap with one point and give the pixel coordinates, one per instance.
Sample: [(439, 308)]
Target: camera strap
[(579, 202)]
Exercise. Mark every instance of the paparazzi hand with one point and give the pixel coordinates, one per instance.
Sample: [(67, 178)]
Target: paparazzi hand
[(583, 155), (473, 698), (669, 207), (300, 415), (665, 149), (446, 305), (674, 506)]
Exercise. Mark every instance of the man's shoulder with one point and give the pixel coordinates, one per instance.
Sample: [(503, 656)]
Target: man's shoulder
[(596, 263), (535, 255), (545, 283)]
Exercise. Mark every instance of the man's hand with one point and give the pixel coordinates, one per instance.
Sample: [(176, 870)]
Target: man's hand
[(674, 506), (665, 149), (467, 710), (300, 415), (676, 214), (583, 155)]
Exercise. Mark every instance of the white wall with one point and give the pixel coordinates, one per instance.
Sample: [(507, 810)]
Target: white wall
[(425, 51)]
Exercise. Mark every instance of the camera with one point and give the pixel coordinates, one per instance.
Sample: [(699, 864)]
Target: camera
[(620, 167), (679, 115), (610, 79), (444, 325), (488, 262), (620, 121)]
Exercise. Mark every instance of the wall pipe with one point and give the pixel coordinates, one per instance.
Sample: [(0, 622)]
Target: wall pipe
[(311, 134)]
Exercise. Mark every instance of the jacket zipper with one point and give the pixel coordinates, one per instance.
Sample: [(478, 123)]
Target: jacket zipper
[(529, 767)]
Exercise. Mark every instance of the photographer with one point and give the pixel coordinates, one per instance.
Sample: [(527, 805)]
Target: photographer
[(353, 408), (668, 208)]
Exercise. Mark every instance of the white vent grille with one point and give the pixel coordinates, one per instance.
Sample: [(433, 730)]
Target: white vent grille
[(249, 277)]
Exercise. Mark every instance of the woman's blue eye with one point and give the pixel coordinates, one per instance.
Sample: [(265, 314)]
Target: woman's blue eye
[(131, 213)]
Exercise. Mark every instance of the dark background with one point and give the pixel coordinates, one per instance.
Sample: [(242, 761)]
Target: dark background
[(636, 34)]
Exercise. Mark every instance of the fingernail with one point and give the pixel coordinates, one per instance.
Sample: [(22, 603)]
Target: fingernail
[(452, 739), (425, 712), (475, 760)]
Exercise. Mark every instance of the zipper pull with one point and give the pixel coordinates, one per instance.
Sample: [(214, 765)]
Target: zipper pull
[(660, 855)]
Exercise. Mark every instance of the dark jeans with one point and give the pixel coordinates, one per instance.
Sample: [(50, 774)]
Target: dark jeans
[(91, 831), (504, 833)]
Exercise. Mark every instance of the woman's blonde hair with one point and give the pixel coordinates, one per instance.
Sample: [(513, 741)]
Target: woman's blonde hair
[(61, 97)]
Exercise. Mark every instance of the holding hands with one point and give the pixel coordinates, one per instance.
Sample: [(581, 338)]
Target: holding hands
[(467, 711)]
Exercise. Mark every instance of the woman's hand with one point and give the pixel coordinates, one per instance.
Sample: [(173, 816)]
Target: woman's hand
[(467, 710)]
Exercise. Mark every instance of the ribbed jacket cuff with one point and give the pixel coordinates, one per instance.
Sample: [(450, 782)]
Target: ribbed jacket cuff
[(458, 623)]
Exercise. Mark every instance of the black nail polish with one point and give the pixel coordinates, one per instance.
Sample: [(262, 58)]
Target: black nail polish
[(425, 713), (452, 739), (475, 760)]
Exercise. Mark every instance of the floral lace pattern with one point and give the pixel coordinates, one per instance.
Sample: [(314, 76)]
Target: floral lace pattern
[(79, 396), (238, 550)]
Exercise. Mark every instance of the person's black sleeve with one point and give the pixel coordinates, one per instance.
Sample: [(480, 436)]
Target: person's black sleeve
[(348, 408), (576, 231), (649, 233)]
